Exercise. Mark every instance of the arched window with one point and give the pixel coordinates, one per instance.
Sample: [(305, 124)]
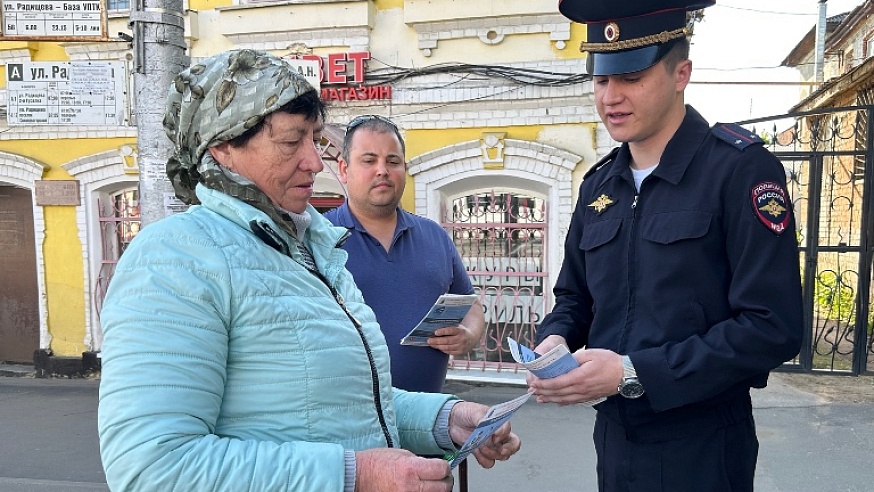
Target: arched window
[(119, 224)]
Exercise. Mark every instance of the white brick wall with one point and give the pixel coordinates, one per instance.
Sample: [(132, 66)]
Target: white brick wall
[(491, 30)]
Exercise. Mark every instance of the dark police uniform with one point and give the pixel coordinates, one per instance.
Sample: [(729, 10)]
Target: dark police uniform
[(695, 278)]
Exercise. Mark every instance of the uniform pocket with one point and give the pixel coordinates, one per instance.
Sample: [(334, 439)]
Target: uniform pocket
[(599, 233), (670, 227)]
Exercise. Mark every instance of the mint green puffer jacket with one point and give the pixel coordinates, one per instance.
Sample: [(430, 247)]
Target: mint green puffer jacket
[(226, 366)]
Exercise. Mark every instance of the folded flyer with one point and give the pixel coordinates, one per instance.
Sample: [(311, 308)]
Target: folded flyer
[(449, 310), (552, 364), (491, 421)]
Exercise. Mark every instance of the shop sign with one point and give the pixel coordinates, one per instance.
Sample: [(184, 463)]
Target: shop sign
[(346, 70)]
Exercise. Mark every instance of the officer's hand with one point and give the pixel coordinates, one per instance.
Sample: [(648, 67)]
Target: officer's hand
[(398, 470), (454, 340), (545, 346), (498, 447), (598, 376)]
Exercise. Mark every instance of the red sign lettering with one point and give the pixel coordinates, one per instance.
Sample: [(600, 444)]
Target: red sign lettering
[(334, 69), (360, 93)]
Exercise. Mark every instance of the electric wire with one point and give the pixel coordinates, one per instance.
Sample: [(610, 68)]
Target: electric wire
[(466, 71)]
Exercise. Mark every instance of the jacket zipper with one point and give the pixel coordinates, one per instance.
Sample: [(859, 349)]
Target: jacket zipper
[(632, 254), (374, 376), (623, 341), (274, 240)]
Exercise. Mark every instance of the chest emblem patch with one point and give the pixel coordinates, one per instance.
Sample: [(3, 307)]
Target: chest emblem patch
[(771, 206), (601, 203)]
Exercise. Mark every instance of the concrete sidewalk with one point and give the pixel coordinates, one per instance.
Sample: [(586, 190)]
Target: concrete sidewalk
[(810, 441)]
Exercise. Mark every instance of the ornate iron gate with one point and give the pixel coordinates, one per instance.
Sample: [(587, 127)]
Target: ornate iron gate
[(828, 160), (119, 224), (501, 236)]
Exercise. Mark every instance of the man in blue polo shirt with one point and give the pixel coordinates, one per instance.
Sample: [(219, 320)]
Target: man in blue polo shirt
[(401, 262)]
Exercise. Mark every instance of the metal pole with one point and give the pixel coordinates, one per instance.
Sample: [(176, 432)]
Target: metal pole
[(159, 54), (819, 50)]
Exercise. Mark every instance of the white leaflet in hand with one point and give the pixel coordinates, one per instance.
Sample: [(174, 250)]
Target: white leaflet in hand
[(448, 310), (552, 364), (494, 418)]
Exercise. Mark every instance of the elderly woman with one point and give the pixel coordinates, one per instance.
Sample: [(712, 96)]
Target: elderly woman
[(238, 353)]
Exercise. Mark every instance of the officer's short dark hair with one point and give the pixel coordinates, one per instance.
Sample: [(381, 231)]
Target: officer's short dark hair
[(679, 52)]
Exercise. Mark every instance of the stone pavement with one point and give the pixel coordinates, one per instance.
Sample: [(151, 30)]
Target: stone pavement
[(816, 437)]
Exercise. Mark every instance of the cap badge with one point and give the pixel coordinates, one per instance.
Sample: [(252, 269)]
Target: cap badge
[(601, 203), (611, 32)]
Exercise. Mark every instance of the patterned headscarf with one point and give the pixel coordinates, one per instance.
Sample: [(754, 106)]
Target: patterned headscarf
[(218, 100)]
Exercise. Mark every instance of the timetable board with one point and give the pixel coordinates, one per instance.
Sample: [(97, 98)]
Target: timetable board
[(61, 93), (53, 19)]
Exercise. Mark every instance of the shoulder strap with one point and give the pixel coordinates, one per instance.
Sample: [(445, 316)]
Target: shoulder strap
[(735, 135)]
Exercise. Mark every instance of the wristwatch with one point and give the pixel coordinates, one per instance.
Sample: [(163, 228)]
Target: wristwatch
[(630, 386)]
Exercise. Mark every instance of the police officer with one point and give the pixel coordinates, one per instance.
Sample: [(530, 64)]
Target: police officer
[(680, 288)]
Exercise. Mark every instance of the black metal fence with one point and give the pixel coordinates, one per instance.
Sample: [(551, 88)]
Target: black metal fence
[(828, 160)]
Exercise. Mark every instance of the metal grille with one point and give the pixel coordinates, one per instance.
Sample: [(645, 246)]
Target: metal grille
[(501, 237), (827, 160), (119, 223)]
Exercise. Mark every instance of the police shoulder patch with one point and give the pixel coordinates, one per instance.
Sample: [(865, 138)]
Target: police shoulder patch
[(736, 135), (771, 206)]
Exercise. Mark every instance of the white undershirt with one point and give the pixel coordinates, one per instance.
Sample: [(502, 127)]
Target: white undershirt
[(641, 174)]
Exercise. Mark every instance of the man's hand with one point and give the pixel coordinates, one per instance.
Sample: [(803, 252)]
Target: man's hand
[(461, 339), (545, 346), (498, 447), (398, 470), (599, 375), (454, 340)]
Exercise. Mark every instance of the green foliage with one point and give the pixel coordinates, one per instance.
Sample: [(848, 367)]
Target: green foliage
[(835, 299)]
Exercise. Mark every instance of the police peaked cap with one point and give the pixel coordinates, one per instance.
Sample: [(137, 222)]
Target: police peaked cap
[(625, 36)]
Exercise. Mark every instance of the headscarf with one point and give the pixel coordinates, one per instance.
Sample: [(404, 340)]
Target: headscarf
[(217, 100)]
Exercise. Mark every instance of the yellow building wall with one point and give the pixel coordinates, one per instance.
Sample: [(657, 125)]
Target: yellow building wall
[(389, 4), (572, 50), (579, 139), (422, 141), (62, 249), (201, 5)]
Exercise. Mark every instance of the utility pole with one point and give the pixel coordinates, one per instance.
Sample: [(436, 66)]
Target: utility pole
[(159, 55)]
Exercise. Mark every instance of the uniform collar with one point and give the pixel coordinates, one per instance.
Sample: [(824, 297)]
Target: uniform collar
[(678, 154)]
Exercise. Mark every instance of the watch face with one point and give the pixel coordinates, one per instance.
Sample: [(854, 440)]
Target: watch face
[(631, 388)]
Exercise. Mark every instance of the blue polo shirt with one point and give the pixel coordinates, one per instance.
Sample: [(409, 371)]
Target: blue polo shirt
[(401, 285)]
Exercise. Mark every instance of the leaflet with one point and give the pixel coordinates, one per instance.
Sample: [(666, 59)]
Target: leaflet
[(449, 310), (491, 421), (552, 364)]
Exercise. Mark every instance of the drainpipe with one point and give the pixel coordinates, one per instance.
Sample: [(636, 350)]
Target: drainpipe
[(819, 49)]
